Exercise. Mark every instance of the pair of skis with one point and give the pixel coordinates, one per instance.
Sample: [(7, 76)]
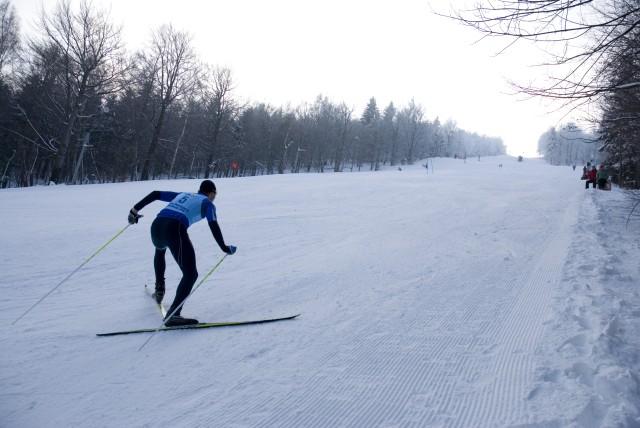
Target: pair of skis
[(163, 311)]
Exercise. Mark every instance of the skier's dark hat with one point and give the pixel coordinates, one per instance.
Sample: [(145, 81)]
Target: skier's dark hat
[(207, 186)]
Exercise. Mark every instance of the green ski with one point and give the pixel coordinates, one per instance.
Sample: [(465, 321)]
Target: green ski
[(199, 326)]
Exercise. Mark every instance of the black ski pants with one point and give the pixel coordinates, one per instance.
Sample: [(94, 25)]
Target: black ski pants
[(170, 233)]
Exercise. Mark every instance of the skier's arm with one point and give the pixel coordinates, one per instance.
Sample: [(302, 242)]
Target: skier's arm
[(209, 212), (133, 213), (151, 197), (217, 235)]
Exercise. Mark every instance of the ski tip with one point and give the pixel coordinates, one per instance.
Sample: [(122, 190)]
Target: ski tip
[(292, 317)]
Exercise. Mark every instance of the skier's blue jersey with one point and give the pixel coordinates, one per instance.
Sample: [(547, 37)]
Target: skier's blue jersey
[(188, 208)]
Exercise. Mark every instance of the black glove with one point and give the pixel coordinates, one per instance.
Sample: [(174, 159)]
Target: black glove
[(133, 218), (230, 249)]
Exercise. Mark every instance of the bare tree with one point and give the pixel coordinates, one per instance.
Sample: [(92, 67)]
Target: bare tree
[(92, 54), (221, 107), (411, 118), (579, 35), (177, 148), (173, 68), (9, 34), (344, 114)]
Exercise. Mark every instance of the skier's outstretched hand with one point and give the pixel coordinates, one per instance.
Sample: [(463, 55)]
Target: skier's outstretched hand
[(133, 217), (231, 249)]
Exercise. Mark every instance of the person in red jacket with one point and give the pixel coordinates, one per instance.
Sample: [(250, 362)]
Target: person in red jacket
[(591, 177)]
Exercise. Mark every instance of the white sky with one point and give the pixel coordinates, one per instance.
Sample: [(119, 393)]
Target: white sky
[(283, 51)]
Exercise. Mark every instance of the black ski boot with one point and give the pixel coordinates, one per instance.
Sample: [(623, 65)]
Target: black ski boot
[(178, 320), (159, 294)]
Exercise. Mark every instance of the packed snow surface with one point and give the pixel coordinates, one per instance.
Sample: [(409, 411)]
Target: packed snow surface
[(485, 292)]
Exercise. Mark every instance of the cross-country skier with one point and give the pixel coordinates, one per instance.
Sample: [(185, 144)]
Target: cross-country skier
[(169, 230)]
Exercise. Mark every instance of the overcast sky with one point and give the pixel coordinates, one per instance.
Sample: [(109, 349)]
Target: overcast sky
[(291, 51)]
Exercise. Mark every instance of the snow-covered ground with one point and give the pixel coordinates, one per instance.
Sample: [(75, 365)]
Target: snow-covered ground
[(472, 296)]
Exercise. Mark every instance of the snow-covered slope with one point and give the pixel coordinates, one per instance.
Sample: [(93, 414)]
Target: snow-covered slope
[(474, 295)]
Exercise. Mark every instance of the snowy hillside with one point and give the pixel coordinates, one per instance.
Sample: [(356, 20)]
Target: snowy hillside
[(475, 295)]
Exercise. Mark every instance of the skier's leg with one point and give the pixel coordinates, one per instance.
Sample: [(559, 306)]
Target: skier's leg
[(158, 237), (184, 254)]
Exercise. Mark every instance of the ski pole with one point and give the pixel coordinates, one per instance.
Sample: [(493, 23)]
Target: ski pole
[(185, 299), (71, 274)]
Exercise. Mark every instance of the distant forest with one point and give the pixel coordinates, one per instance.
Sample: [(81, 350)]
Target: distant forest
[(76, 108), (570, 145)]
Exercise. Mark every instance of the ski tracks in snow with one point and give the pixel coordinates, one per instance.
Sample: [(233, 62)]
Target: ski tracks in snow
[(450, 348)]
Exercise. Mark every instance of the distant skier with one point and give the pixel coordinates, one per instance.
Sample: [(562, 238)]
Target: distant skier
[(169, 230)]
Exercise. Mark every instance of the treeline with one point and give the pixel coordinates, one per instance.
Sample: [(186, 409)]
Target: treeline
[(569, 145), (75, 107), (620, 72)]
